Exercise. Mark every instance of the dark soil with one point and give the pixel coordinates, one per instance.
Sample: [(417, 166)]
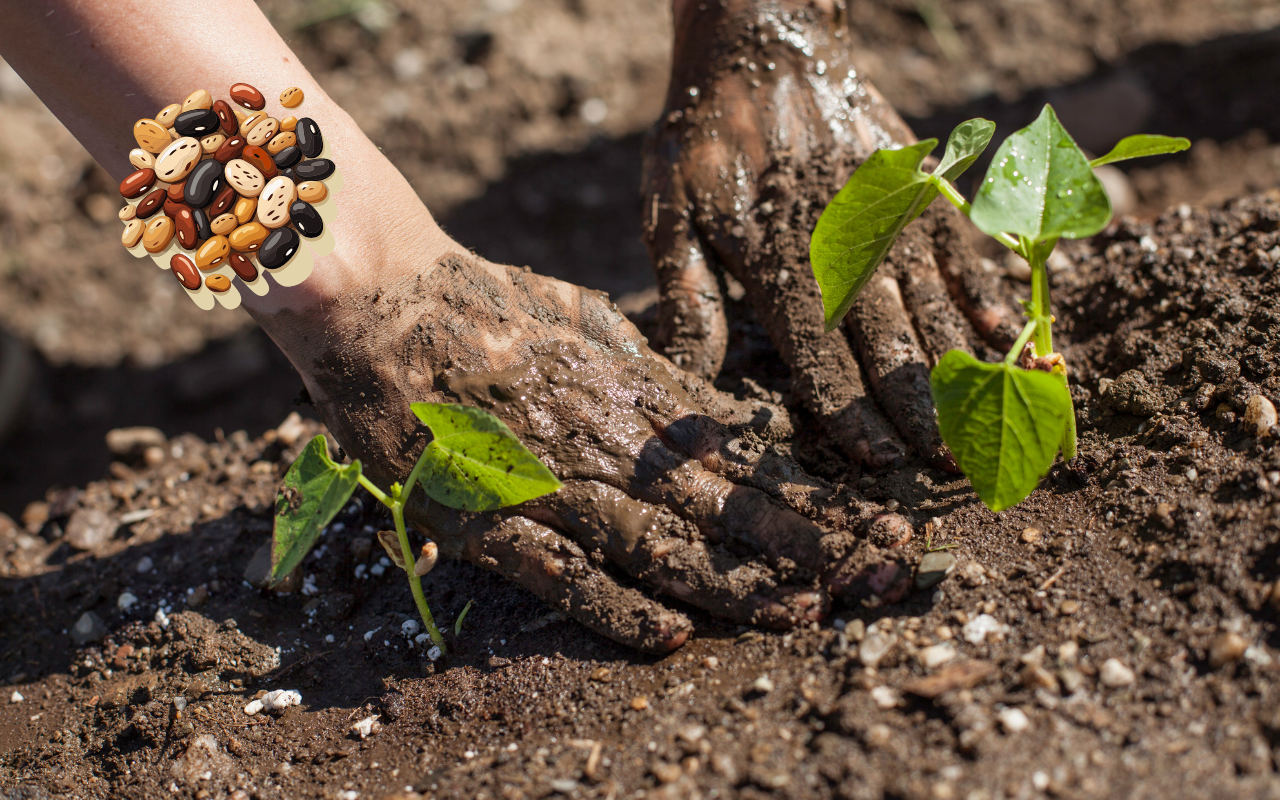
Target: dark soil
[(1160, 548)]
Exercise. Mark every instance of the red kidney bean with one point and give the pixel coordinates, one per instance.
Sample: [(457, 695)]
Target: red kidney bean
[(261, 160), (248, 97), (229, 149), (184, 269), (151, 203), (184, 222), (226, 117), (139, 183), (243, 266), (222, 201)]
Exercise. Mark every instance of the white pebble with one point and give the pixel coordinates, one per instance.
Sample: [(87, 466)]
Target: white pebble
[(377, 570), (409, 628), (16, 697), (368, 635), (886, 697), (180, 703), (1013, 720), (366, 727), (162, 618), (1259, 415), (280, 699), (253, 707), (329, 638), (309, 587), (126, 601), (1115, 674), (434, 653), (145, 564), (936, 655), (977, 629), (422, 638), (762, 685)]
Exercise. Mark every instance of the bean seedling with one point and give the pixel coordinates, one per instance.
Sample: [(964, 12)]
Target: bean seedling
[(1004, 422), (473, 463)]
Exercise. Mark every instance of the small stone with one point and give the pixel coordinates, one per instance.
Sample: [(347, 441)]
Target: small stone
[(145, 564), (198, 596), (980, 627), (409, 628), (1031, 535), (711, 662), (666, 772), (280, 699), (291, 430), (856, 630), (566, 786), (253, 707), (1034, 676), (1069, 607), (132, 442), (1226, 649), (691, 734), (874, 647), (434, 653), (258, 572), (16, 697), (639, 703), (936, 655), (367, 727), (89, 628), (1259, 415), (934, 567), (1013, 720), (89, 529), (601, 674), (762, 685), (1115, 674), (886, 697), (126, 601)]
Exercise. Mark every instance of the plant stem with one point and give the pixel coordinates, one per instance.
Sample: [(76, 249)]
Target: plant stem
[(947, 190), (395, 502), (1040, 299), (1028, 330)]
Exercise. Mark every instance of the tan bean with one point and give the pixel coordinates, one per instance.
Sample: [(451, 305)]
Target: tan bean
[(248, 238), (248, 122), (168, 114), (213, 253), (280, 141), (218, 283), (132, 232), (288, 123), (261, 133), (197, 99), (151, 135), (291, 97), (141, 159), (158, 233), (312, 191), (244, 208), (212, 142), (223, 224), (274, 202), (127, 213), (178, 159), (245, 177)]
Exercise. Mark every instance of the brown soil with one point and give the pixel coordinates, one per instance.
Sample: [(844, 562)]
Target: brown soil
[(1136, 558)]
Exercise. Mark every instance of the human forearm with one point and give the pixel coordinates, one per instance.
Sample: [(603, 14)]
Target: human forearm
[(102, 65)]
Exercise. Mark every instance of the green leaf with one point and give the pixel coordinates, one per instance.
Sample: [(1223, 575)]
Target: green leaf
[(965, 144), (860, 225), (1003, 424), (475, 463), (314, 491), (1040, 185), (1143, 144)]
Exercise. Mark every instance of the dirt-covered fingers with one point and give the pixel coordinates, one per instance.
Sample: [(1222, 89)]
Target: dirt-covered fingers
[(692, 330), (896, 366), (975, 290), (562, 575), (939, 324), (669, 553)]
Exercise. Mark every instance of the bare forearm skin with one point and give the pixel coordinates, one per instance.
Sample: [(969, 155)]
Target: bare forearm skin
[(100, 65)]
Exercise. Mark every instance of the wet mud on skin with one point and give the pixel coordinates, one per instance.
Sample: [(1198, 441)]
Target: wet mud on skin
[(1159, 552)]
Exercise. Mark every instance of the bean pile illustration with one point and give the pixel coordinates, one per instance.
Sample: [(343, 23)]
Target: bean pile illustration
[(228, 183)]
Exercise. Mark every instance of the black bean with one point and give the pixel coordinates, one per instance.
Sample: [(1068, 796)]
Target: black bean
[(203, 183), (315, 170), (203, 229), (310, 142), (287, 157), (306, 219), (198, 122), (278, 248)]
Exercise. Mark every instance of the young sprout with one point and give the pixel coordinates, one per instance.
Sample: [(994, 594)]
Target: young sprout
[(473, 463), (1004, 422)]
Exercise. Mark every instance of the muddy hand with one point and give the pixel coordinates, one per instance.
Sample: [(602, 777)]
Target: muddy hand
[(655, 487), (766, 119)]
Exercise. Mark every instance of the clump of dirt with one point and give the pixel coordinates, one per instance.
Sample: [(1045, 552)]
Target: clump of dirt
[(1115, 634)]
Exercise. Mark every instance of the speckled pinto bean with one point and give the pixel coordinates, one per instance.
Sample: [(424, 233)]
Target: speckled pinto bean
[(151, 135), (274, 202), (141, 159), (132, 233), (280, 141), (177, 160), (261, 133), (291, 97), (168, 114), (223, 224), (244, 177)]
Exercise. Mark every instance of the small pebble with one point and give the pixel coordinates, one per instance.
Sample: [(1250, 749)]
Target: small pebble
[(1030, 535), (936, 655), (1226, 648), (639, 703), (367, 727), (874, 647), (126, 601), (1069, 607), (1259, 415), (1115, 674), (762, 685), (886, 697), (16, 697), (1013, 720), (934, 567)]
